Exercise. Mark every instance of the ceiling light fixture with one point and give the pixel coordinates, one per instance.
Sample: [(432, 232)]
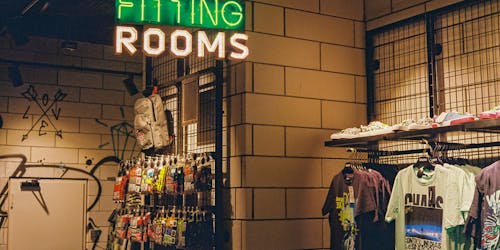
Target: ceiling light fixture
[(44, 7), (69, 45)]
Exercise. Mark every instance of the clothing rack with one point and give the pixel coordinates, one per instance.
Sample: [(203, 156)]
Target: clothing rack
[(445, 146)]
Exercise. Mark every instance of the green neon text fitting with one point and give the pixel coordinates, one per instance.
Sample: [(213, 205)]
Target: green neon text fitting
[(210, 14)]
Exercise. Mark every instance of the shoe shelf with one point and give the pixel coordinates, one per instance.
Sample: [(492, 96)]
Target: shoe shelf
[(486, 126)]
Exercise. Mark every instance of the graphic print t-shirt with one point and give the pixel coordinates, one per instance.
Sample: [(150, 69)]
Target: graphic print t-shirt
[(349, 197), (423, 208), (485, 209)]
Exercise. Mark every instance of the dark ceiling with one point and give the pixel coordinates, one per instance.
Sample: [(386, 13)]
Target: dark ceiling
[(78, 20)]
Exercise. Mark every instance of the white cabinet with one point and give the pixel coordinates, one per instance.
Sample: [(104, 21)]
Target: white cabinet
[(51, 218)]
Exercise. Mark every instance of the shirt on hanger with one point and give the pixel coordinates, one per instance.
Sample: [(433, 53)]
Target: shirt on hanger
[(424, 208), (456, 240), (483, 221), (375, 233), (349, 196)]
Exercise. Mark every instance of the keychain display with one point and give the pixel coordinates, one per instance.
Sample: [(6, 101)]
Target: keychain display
[(120, 186), (187, 228), (166, 202), (166, 175)]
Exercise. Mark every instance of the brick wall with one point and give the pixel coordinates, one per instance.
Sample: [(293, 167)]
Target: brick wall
[(379, 13), (90, 96), (303, 80)]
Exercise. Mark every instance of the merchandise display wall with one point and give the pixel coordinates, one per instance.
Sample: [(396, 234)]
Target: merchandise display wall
[(303, 79), (444, 61), (92, 105)]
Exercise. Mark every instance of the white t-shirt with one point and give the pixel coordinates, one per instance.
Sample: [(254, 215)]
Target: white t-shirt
[(466, 184), (424, 208)]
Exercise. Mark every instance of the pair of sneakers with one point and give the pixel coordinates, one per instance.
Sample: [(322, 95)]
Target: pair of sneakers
[(491, 114), (453, 118), (444, 119), (374, 128), (411, 124)]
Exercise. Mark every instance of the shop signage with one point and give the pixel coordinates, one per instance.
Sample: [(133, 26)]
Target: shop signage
[(226, 15), (208, 14)]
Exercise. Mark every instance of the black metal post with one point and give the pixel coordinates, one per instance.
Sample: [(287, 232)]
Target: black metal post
[(431, 61), (370, 78), (219, 203), (370, 67), (149, 72)]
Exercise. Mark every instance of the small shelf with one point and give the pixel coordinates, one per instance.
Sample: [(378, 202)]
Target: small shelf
[(487, 126)]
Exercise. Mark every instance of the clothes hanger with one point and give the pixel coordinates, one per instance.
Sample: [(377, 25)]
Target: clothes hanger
[(349, 167), (424, 162)]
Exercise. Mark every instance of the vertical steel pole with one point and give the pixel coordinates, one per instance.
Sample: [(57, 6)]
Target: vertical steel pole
[(431, 60), (370, 78), (219, 203)]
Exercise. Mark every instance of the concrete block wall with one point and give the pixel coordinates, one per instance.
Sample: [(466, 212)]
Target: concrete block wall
[(90, 96), (304, 79), (379, 13)]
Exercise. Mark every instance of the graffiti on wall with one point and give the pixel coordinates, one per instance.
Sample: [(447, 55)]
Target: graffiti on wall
[(122, 136), (22, 167), (49, 110)]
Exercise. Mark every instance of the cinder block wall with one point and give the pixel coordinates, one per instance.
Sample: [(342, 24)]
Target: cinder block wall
[(90, 96), (383, 12), (303, 80)]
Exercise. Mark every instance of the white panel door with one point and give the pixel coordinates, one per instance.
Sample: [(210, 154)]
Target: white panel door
[(53, 218)]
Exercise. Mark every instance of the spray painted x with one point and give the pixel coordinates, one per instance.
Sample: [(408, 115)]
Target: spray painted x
[(32, 95)]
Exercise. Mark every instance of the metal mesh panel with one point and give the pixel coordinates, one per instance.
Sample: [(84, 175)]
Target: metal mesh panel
[(169, 72), (170, 96), (467, 73), (469, 67), (401, 83), (165, 68), (198, 137)]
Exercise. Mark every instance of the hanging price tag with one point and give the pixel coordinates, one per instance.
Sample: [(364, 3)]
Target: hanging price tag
[(351, 194)]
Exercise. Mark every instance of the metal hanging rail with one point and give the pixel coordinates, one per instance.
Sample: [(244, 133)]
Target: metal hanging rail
[(76, 68)]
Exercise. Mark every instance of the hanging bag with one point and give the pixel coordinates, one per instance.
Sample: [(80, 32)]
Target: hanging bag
[(150, 123)]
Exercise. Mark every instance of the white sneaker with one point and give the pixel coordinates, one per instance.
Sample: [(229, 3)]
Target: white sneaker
[(403, 126), (347, 133), (423, 123), (454, 118), (376, 128)]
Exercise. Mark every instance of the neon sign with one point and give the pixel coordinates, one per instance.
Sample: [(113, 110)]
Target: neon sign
[(210, 14), (180, 42), (205, 14)]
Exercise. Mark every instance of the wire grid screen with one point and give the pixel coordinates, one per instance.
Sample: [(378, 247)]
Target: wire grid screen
[(165, 71), (198, 137), (469, 68), (164, 68), (401, 82), (170, 97)]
